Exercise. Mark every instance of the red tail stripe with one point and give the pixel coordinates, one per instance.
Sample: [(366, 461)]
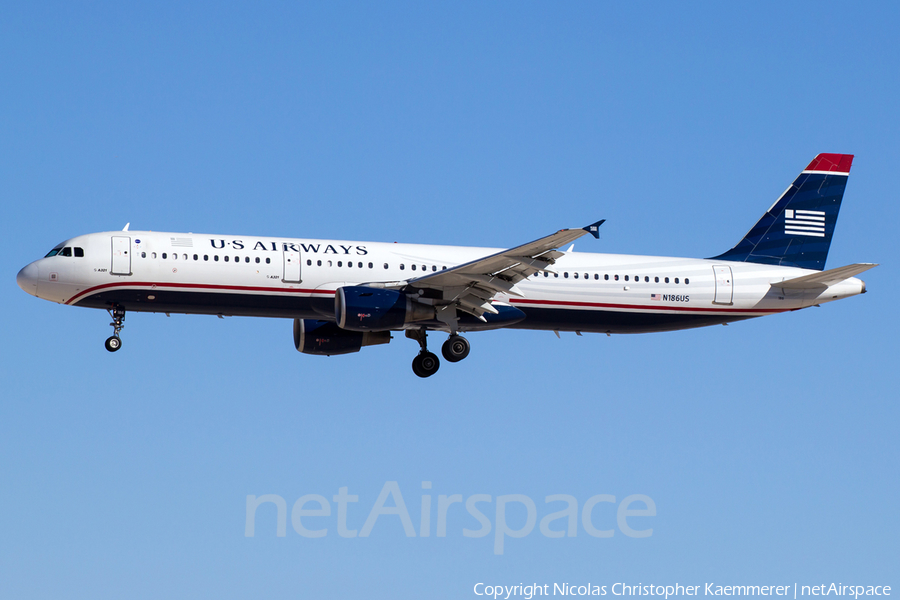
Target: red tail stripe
[(838, 163)]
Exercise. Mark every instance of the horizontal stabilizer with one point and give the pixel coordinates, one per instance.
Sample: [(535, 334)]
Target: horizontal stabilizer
[(825, 278)]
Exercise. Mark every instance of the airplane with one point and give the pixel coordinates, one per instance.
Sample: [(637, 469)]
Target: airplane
[(344, 295)]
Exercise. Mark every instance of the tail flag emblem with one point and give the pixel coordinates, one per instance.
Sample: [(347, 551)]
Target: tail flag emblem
[(804, 222)]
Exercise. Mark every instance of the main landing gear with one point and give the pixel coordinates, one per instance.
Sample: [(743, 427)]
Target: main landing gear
[(455, 348), (426, 364), (117, 313)]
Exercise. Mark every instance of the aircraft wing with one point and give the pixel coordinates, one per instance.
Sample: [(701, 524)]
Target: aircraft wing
[(471, 286), (825, 278)]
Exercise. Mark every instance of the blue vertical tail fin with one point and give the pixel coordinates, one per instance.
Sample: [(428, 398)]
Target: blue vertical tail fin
[(796, 231)]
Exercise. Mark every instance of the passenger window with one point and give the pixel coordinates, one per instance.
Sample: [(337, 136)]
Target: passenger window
[(153, 255), (686, 281), (196, 257), (626, 278), (424, 268), (402, 266), (237, 259), (227, 258), (318, 262), (371, 266), (308, 262), (215, 257), (359, 265), (586, 276), (268, 260), (576, 275), (385, 265), (340, 263), (413, 267), (246, 259), (79, 252), (606, 277), (676, 280), (206, 257), (329, 262), (566, 274), (656, 279), (616, 277), (667, 280), (434, 268), (143, 255), (597, 276), (174, 256), (556, 275), (350, 263), (164, 255)]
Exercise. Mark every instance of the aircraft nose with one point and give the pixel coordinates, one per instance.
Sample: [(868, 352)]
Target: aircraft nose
[(28, 279)]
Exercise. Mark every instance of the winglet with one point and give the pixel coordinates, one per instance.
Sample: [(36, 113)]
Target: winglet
[(594, 228)]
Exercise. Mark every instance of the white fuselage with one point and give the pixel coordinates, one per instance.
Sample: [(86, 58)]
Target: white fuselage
[(296, 278)]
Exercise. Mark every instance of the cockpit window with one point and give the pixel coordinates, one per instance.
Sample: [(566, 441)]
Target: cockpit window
[(79, 252), (54, 252), (67, 251)]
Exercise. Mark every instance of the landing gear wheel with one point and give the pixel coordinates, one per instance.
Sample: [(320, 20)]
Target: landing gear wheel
[(425, 364), (117, 313), (455, 348)]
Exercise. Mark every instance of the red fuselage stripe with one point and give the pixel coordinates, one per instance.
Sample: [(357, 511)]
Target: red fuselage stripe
[(149, 286), (645, 307), (196, 286)]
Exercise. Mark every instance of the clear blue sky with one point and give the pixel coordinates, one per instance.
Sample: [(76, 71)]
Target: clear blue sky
[(769, 447)]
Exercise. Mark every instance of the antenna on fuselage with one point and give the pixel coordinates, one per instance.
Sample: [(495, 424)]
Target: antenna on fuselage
[(127, 225)]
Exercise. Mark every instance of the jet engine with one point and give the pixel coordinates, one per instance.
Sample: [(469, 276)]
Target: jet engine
[(358, 308), (326, 338)]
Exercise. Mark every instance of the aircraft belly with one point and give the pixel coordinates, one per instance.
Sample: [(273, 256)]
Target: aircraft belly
[(611, 321), (206, 303)]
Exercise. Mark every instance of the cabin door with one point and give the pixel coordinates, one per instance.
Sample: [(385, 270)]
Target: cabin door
[(121, 259), (291, 266), (724, 285)]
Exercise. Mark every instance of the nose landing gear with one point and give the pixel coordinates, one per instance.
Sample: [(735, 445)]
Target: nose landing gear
[(117, 314)]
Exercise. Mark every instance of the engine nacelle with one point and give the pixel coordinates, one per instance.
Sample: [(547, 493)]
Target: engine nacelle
[(359, 308), (326, 338)]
